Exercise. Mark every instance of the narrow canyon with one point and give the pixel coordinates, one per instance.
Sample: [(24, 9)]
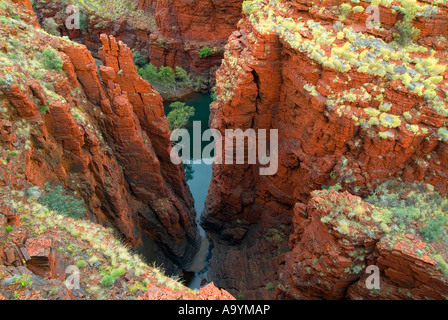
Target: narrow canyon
[(356, 90)]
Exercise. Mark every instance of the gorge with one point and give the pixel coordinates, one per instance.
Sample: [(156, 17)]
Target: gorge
[(361, 117)]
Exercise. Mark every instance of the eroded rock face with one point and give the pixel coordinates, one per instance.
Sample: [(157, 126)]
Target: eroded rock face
[(347, 115), (337, 236), (184, 27), (171, 34), (106, 139)]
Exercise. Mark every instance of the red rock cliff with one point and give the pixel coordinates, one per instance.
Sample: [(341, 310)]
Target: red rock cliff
[(185, 27), (169, 33), (351, 107), (338, 236), (105, 139)]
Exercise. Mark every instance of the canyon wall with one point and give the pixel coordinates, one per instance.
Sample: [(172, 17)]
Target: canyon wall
[(169, 33), (337, 237), (184, 27), (102, 135), (353, 106)]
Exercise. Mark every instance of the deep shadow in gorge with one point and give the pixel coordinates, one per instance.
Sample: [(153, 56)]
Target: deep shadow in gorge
[(199, 178)]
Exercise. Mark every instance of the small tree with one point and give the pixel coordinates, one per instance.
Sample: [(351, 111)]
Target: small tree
[(179, 115), (407, 33), (83, 22), (51, 60), (149, 73), (167, 77), (205, 52), (140, 60), (213, 94), (183, 76), (178, 118)]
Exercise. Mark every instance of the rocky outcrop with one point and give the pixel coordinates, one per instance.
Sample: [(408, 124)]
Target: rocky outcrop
[(338, 236), (169, 33), (106, 139), (27, 5), (52, 257), (184, 28), (350, 107)]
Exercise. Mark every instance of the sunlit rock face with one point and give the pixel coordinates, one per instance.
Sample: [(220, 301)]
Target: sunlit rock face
[(105, 138), (169, 33), (352, 105)]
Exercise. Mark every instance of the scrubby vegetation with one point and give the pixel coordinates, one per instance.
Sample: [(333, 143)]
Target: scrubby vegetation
[(51, 60), (51, 26), (92, 247), (67, 205), (406, 203), (418, 209), (101, 13), (417, 68), (165, 78), (407, 33), (140, 60), (205, 52), (180, 114), (393, 214)]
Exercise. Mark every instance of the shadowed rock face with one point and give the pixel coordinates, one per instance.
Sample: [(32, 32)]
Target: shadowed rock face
[(337, 235), (107, 139), (337, 124)]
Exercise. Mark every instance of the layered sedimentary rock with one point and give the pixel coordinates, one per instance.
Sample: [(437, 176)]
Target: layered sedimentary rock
[(125, 20), (106, 139), (169, 33), (338, 237), (184, 27), (352, 105), (37, 254)]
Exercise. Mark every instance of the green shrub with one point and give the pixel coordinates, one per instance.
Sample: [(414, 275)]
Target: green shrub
[(433, 229), (406, 32), (344, 10), (205, 52), (81, 264), (51, 27), (57, 201), (183, 76), (24, 280), (249, 7), (213, 94), (270, 286), (140, 60), (44, 109), (179, 115), (165, 78), (149, 72), (83, 22), (51, 60), (116, 273), (107, 281)]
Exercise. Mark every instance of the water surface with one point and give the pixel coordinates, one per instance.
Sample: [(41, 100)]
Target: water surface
[(200, 179)]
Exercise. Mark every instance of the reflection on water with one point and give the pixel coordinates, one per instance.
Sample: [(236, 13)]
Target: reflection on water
[(200, 175), (199, 184)]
